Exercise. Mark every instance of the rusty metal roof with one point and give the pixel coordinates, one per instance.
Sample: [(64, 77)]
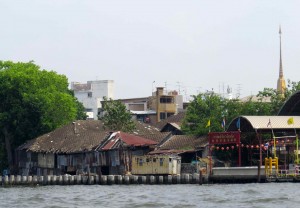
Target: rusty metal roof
[(126, 139)]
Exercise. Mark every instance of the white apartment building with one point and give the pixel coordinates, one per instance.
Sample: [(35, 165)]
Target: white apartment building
[(91, 94)]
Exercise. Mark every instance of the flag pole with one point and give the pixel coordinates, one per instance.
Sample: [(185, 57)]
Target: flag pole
[(274, 138), (297, 145), (297, 148), (291, 121)]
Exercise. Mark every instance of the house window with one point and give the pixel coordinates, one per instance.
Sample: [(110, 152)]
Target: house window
[(90, 94), (141, 162), (147, 160), (154, 160), (162, 115), (161, 161), (166, 100)]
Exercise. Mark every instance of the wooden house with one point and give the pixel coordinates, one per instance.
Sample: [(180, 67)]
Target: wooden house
[(119, 148), (83, 147)]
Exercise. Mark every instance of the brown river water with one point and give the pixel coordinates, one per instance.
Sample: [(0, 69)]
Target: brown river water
[(266, 195)]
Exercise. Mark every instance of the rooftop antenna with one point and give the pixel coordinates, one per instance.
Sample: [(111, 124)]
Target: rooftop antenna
[(166, 88), (152, 87), (178, 87)]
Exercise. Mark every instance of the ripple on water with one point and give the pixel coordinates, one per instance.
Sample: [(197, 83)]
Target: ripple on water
[(175, 196)]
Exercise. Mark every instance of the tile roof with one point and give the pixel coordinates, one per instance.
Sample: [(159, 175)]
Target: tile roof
[(167, 152), (177, 119), (254, 98), (184, 142), (149, 132), (83, 136), (79, 136)]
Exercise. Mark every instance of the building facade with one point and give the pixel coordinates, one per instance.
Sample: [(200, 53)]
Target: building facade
[(159, 106), (91, 94)]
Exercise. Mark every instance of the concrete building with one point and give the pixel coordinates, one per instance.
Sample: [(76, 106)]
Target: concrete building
[(155, 108), (164, 104), (91, 94)]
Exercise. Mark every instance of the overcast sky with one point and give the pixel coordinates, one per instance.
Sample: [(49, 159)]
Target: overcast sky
[(187, 45)]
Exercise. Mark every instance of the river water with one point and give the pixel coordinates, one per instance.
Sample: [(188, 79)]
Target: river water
[(266, 195)]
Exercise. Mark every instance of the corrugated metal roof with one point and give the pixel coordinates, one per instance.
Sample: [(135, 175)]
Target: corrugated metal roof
[(275, 122), (152, 112), (128, 139), (266, 122)]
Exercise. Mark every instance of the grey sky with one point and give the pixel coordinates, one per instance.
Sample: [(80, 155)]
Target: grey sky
[(196, 44)]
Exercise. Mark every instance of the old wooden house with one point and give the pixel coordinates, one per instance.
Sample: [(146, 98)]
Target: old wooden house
[(118, 149), (85, 147)]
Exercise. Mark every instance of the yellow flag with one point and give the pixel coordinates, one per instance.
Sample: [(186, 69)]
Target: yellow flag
[(208, 124), (290, 121)]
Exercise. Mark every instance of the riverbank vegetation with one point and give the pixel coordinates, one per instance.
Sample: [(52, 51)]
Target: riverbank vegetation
[(33, 102)]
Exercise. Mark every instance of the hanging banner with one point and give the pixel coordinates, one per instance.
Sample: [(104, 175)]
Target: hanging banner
[(224, 137)]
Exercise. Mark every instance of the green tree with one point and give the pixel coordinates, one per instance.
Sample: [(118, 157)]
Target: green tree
[(292, 87), (276, 99), (33, 102), (206, 108), (116, 116), (256, 108), (211, 107)]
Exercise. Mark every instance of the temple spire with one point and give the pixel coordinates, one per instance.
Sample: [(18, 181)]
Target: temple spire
[(281, 87)]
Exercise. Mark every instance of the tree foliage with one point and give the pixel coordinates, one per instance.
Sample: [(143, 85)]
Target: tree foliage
[(211, 107), (206, 107), (277, 100), (116, 116), (33, 102)]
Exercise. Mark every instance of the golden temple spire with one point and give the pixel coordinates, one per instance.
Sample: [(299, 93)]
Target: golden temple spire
[(281, 86)]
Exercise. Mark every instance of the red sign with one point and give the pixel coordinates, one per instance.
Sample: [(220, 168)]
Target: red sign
[(224, 137)]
